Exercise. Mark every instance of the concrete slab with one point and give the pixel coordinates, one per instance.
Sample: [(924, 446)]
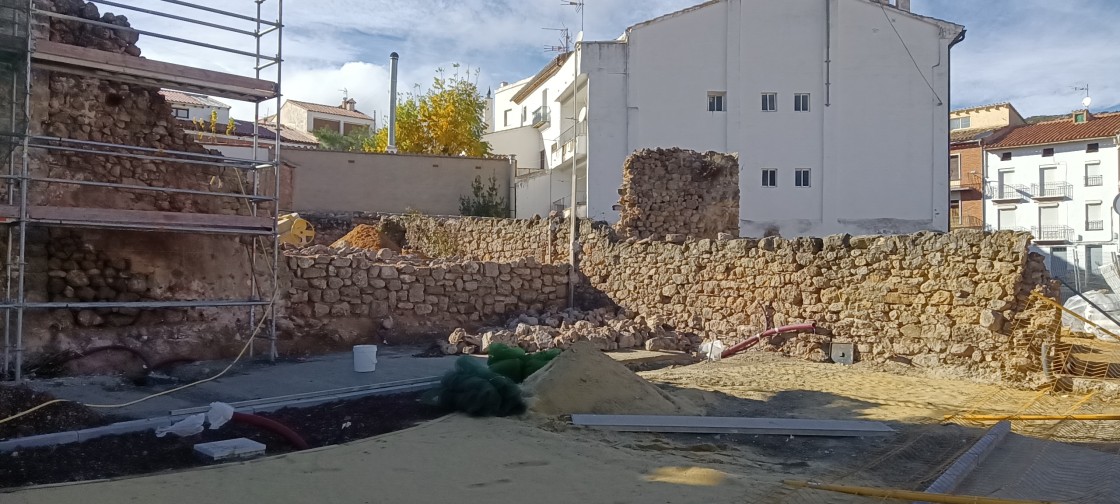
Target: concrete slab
[(248, 380)]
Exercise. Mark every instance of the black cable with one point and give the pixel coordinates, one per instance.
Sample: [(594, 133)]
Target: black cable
[(908, 53)]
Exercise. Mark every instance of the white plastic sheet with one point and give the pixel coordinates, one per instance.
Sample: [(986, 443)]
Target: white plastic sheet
[(712, 349), (1108, 302), (219, 414)]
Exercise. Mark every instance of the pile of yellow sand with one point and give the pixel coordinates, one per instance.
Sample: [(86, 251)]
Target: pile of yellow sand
[(367, 237), (583, 380)]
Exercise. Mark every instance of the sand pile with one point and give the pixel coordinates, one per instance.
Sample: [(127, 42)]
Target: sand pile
[(369, 238), (583, 380)]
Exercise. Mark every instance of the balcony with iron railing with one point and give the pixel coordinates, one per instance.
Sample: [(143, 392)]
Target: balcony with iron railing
[(966, 182), (1051, 190), (1094, 225), (1052, 233), (1007, 193), (541, 117), (1094, 180), (966, 222)]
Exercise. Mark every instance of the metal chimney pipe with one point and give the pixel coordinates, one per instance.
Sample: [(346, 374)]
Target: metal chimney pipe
[(392, 147)]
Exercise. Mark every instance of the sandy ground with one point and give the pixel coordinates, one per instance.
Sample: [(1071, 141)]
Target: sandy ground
[(467, 460)]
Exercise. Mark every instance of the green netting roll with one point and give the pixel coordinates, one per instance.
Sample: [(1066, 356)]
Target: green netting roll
[(472, 388)]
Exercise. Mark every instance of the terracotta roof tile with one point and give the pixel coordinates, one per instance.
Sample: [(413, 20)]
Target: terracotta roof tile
[(971, 135), (329, 109), (1061, 130), (546, 73), (190, 99)]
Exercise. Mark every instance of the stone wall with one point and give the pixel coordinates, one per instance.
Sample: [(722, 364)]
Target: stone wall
[(678, 191), (956, 300), (355, 294)]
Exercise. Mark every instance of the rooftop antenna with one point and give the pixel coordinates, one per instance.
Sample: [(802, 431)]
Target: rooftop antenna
[(1087, 100), (578, 4), (565, 41), (345, 94)]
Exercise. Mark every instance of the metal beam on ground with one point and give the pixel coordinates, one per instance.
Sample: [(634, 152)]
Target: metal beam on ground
[(733, 425)]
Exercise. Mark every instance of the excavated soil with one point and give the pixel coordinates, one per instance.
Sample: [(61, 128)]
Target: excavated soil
[(54, 418), (583, 380), (142, 452), (367, 237)]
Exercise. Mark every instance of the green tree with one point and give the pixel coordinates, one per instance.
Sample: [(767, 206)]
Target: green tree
[(356, 140), (484, 201), (447, 119)]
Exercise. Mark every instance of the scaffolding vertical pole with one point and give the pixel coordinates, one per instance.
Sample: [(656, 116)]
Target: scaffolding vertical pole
[(270, 310), (9, 182), (21, 265), (254, 290)]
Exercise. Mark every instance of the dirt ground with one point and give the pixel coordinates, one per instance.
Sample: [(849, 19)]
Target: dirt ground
[(54, 418)]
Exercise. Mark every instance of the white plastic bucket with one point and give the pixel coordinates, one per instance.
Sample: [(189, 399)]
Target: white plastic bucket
[(365, 358)]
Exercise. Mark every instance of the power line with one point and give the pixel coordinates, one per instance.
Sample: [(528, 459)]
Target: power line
[(908, 53)]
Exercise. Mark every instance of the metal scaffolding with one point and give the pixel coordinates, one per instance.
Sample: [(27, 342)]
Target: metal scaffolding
[(22, 53)]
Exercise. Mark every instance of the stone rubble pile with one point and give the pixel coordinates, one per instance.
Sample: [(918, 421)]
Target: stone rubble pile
[(606, 328)]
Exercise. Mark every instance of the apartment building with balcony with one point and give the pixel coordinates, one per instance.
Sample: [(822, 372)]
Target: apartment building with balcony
[(1057, 179), (970, 130)]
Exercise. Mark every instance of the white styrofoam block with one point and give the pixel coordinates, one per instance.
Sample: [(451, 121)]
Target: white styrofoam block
[(229, 449)]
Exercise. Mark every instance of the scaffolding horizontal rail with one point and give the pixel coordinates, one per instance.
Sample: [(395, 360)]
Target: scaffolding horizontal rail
[(177, 18), (128, 187), (226, 161), (222, 12), (216, 303)]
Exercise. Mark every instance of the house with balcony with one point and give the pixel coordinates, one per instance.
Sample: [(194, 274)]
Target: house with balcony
[(801, 91), (1057, 179), (969, 130)]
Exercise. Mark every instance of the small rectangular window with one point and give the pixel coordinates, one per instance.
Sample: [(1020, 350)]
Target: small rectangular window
[(955, 167), (181, 113), (769, 102), (1006, 156), (717, 101), (1093, 174), (960, 123), (524, 114), (505, 117), (1079, 117), (1048, 152), (801, 102), (544, 159), (1093, 147), (769, 178), (801, 177)]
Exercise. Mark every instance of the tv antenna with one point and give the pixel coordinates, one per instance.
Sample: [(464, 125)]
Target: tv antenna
[(345, 94), (578, 4), (565, 41)]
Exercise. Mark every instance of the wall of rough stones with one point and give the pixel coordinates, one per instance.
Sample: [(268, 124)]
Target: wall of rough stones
[(86, 265), (355, 295), (679, 191), (958, 300)]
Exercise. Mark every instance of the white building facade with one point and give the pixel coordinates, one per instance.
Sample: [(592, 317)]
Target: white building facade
[(1058, 180), (838, 110)]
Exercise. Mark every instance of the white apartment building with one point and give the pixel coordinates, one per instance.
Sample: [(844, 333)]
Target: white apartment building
[(1057, 179), (838, 109)]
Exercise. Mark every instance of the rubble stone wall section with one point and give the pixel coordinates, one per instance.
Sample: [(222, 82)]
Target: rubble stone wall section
[(410, 295), (679, 191)]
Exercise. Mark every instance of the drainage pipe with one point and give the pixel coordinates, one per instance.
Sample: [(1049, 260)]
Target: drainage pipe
[(753, 340), (273, 426)]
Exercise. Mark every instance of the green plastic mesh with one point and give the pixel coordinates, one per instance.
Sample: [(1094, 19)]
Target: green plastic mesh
[(472, 388)]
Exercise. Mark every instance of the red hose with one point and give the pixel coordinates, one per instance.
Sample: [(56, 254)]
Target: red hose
[(271, 425), (753, 340)]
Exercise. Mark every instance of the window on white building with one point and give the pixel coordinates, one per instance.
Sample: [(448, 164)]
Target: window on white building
[(801, 177), (524, 114), (960, 123), (801, 102), (769, 178), (1048, 152), (1093, 147), (1006, 218), (1006, 156), (505, 117), (1093, 174), (181, 113), (717, 101), (1059, 262), (1094, 256), (955, 167), (769, 102), (1093, 219), (1047, 218)]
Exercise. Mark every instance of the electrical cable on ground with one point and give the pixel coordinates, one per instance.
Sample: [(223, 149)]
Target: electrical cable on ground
[(244, 348)]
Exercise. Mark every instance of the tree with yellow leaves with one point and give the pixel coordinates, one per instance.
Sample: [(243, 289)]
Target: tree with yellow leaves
[(447, 119)]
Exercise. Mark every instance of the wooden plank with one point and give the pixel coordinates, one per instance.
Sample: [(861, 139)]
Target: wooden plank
[(146, 217), (170, 73), (733, 425)]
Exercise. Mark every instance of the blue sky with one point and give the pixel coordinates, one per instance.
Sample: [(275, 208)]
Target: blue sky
[(1030, 52)]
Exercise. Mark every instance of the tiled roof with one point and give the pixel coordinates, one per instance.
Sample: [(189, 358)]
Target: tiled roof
[(546, 73), (328, 109), (190, 99), (1062, 130), (972, 135), (265, 133)]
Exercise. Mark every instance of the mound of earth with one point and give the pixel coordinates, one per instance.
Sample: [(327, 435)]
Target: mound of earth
[(54, 418), (369, 238), (584, 380)]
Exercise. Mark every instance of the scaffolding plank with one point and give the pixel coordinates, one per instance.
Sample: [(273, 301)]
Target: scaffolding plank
[(154, 219), (124, 68), (733, 425)]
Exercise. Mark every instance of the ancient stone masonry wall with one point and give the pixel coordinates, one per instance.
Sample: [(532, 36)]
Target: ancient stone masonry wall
[(681, 192), (353, 293)]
